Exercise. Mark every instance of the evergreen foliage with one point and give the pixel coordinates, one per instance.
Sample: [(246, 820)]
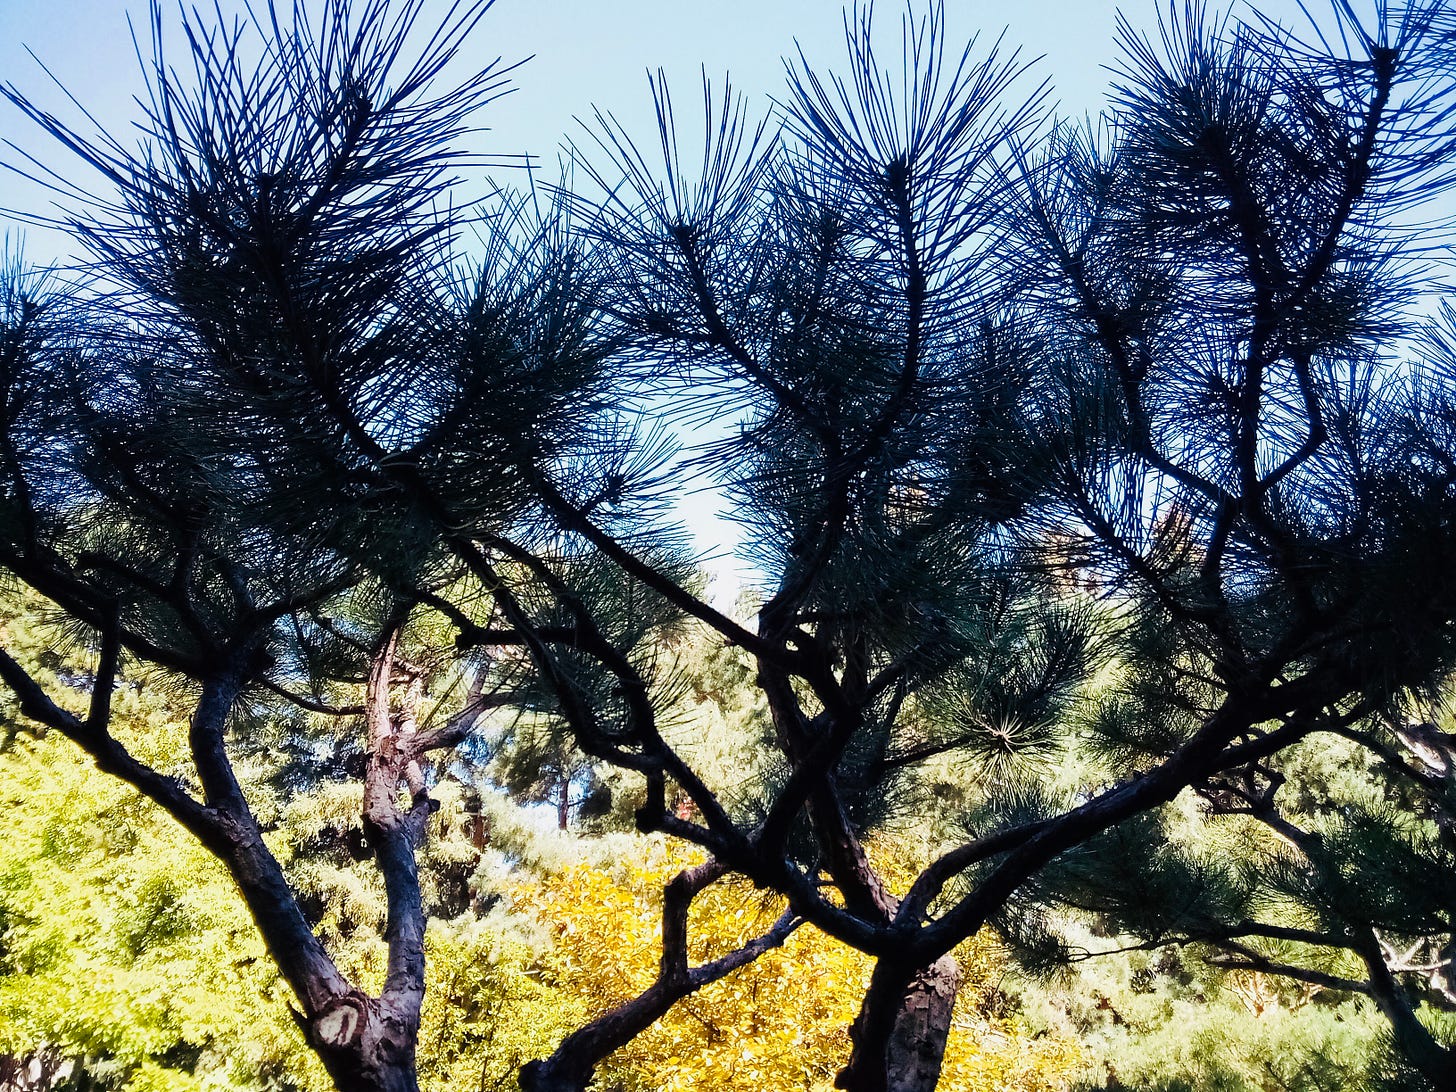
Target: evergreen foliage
[(1099, 446)]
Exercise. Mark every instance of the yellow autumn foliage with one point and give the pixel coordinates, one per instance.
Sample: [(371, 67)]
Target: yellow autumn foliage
[(780, 1023)]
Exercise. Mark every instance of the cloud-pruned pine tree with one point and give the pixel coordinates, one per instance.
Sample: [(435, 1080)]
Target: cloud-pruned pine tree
[(283, 444)]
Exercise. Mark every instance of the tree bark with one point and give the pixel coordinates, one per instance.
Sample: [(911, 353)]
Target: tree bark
[(367, 1045), (1435, 1062), (900, 1034)]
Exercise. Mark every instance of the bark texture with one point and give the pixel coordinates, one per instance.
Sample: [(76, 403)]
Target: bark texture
[(900, 1035), (917, 1043), (367, 1044)]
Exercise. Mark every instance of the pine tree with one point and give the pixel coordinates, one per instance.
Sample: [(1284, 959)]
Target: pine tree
[(1252, 430), (282, 445)]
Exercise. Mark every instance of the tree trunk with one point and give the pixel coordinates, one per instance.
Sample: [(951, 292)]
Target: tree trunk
[(900, 1034), (365, 1044), (922, 1026)]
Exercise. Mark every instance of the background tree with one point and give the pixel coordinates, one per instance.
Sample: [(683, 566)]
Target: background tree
[(1325, 876), (128, 959)]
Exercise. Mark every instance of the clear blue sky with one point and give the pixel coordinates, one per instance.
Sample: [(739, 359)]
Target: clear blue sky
[(584, 52)]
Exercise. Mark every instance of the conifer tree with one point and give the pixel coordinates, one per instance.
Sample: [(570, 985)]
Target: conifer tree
[(1252, 432), (280, 439)]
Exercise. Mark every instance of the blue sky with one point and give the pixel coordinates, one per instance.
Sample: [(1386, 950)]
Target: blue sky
[(585, 52)]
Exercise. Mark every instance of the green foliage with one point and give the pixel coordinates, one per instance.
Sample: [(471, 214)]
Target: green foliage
[(1204, 999), (490, 1009), (1165, 1022), (126, 954), (127, 951)]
